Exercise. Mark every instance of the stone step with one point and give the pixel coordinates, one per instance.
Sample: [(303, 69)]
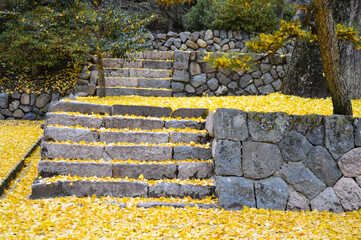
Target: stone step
[(138, 82), (91, 121), (137, 91), (50, 150), (137, 72), (139, 63), (181, 170), (158, 55), (86, 188), (176, 205)]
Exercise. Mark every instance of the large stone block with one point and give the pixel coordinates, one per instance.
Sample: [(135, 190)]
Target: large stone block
[(154, 83), (42, 100), (146, 111), (153, 92), (327, 201), (41, 190), (4, 100), (310, 126), (191, 152), (357, 127), (87, 108), (81, 169), (181, 60), (339, 135), (297, 202), (350, 163), (72, 134), (260, 160), (71, 151), (235, 192), (149, 171), (199, 80), (269, 127), (349, 193), (271, 193), (121, 82), (195, 170), (180, 191), (134, 137), (294, 147), (321, 163), (228, 158), (302, 179), (145, 153), (133, 123), (179, 124), (187, 137), (230, 124), (190, 113), (180, 75), (73, 120)]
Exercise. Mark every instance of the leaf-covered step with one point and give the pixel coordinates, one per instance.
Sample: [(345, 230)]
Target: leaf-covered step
[(175, 205), (137, 72), (129, 91), (138, 82)]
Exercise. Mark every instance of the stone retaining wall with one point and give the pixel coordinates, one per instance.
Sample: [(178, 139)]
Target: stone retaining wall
[(286, 162), (25, 106)]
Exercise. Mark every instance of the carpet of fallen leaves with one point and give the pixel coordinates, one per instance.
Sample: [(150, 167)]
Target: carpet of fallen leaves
[(16, 139), (100, 218), (274, 102)]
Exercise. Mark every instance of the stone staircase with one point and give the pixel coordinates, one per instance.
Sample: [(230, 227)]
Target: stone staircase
[(124, 151), (148, 75)]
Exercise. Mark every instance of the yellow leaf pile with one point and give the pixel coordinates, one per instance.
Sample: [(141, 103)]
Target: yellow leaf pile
[(274, 102), (16, 139)]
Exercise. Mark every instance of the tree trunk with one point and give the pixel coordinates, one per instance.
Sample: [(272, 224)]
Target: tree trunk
[(304, 75), (101, 78), (331, 60)]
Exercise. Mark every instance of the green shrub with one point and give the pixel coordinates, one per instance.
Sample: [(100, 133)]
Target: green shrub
[(200, 16)]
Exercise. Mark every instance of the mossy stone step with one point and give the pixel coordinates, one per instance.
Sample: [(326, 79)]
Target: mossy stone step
[(128, 91), (137, 82)]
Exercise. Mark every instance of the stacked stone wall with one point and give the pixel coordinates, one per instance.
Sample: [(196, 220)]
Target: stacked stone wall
[(286, 162)]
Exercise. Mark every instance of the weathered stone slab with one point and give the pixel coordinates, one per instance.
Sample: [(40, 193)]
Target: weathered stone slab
[(146, 111), (269, 127), (157, 64), (145, 153), (71, 151), (121, 82), (235, 192), (190, 113), (210, 124), (88, 89), (302, 179), (178, 124), (175, 205), (105, 188), (81, 169), (230, 124), (357, 127), (310, 126), (294, 147), (134, 137), (118, 91), (4, 100), (88, 108), (228, 158), (180, 191), (349, 193), (116, 72), (153, 92), (195, 170), (297, 202), (161, 55), (154, 83), (112, 62), (72, 134), (180, 75), (190, 152), (187, 137), (149, 171), (271, 193), (181, 60), (72, 120), (350, 163), (339, 135), (133, 123), (328, 201), (260, 160), (321, 163), (148, 73), (43, 190)]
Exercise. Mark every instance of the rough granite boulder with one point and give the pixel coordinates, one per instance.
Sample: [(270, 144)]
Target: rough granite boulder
[(302, 179), (310, 126), (297, 202), (321, 163), (260, 160), (349, 193), (294, 147), (180, 60), (328, 201), (195, 170), (350, 163), (4, 100), (271, 193), (235, 192), (230, 124), (339, 136), (357, 127), (228, 158), (269, 127)]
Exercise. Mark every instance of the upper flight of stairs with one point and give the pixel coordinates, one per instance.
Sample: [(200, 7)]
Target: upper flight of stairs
[(149, 154), (148, 75)]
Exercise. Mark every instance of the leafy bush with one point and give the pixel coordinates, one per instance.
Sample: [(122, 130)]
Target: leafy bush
[(200, 16)]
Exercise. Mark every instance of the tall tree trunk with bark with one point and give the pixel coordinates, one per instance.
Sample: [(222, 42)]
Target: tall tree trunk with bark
[(101, 78), (331, 60)]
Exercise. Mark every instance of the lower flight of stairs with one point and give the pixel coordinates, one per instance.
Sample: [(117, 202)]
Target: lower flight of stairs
[(149, 74), (124, 151)]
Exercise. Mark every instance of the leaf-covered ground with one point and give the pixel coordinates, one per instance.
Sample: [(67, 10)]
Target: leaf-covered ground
[(16, 139), (275, 102)]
